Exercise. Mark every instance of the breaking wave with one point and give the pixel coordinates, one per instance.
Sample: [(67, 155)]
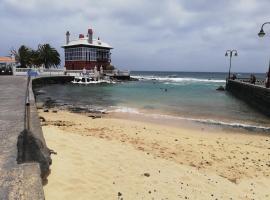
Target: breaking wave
[(178, 79), (249, 127), (125, 110)]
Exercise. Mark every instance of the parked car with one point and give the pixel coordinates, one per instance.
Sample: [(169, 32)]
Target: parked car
[(6, 71)]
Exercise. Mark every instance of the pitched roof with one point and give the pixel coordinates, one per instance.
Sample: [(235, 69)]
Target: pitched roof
[(84, 41), (7, 60)]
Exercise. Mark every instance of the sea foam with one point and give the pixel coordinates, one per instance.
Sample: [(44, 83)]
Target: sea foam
[(125, 110), (250, 127), (178, 79)]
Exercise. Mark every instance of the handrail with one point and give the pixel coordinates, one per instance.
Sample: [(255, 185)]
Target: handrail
[(64, 72), (247, 80), (27, 106)]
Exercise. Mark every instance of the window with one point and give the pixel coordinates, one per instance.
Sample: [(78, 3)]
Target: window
[(103, 54), (86, 54)]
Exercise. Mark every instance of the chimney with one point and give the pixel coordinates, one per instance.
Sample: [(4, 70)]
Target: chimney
[(90, 36), (67, 37), (81, 36), (99, 42)]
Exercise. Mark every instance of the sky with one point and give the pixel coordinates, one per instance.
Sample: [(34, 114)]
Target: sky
[(161, 35)]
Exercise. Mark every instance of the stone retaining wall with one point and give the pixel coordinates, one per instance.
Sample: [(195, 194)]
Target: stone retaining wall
[(40, 81), (31, 143), (254, 95), (24, 158)]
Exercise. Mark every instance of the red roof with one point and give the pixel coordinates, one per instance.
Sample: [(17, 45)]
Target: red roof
[(6, 59)]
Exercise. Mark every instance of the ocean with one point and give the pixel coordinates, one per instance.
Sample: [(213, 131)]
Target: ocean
[(188, 96)]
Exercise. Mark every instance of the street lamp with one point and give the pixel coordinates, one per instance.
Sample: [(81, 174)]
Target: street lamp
[(262, 34), (231, 53)]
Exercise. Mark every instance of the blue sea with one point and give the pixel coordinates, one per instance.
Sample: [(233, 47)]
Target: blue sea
[(188, 96)]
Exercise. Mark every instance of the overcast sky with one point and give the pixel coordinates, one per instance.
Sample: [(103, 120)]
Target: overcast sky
[(175, 35)]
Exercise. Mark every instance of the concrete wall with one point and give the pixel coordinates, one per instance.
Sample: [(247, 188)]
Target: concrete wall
[(40, 71), (254, 95), (40, 81), (25, 158), (31, 144)]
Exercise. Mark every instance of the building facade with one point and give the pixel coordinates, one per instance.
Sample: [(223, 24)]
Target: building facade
[(86, 52), (7, 64)]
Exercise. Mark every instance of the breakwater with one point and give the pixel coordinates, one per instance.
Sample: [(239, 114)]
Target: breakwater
[(256, 96)]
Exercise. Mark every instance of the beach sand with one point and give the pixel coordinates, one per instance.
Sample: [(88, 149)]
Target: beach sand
[(112, 158)]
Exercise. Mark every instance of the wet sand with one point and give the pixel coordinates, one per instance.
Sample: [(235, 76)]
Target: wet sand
[(113, 158)]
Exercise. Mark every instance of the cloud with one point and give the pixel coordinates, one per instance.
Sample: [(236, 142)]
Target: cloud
[(155, 35)]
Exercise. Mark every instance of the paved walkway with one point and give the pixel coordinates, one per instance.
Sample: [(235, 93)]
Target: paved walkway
[(12, 95), (16, 181)]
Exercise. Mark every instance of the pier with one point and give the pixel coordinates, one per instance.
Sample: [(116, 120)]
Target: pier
[(256, 95), (24, 158)]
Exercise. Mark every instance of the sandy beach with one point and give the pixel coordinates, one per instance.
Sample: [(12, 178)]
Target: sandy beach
[(113, 158)]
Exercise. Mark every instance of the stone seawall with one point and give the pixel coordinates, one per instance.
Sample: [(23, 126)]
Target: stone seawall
[(25, 158), (40, 81), (256, 96), (31, 144)]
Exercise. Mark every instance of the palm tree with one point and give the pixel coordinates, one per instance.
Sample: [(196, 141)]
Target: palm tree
[(23, 56), (48, 56), (35, 59)]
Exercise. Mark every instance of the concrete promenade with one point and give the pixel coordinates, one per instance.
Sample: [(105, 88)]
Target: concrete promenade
[(17, 181)]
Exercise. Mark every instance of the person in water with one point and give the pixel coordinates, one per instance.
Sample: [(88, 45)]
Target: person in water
[(165, 89)]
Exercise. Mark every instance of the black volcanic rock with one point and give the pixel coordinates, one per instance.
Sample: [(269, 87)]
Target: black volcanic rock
[(220, 88)]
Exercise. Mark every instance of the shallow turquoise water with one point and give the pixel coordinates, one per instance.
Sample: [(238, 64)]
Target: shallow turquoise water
[(180, 94)]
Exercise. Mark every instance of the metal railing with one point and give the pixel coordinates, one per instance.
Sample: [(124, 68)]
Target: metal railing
[(27, 106), (247, 80), (22, 69), (79, 71), (117, 72), (63, 72), (105, 72), (39, 71)]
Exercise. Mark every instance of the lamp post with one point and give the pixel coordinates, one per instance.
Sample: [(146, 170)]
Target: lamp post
[(262, 34), (231, 53)]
